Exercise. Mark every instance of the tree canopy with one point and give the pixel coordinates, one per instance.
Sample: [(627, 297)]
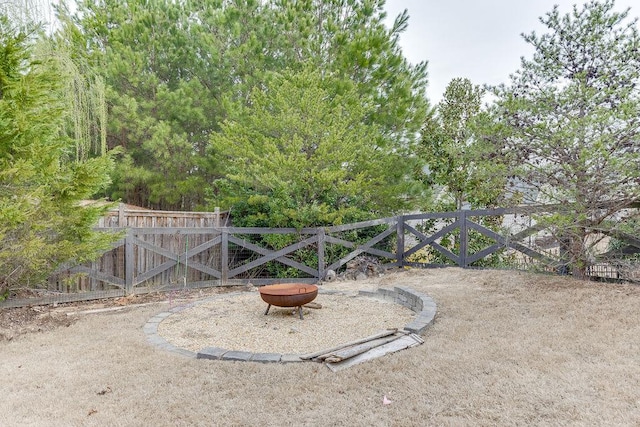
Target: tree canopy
[(302, 155), (460, 160), (572, 113), (42, 182), (162, 106), (175, 71)]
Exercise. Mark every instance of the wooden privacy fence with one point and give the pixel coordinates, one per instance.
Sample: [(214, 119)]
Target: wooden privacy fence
[(133, 216), (161, 258)]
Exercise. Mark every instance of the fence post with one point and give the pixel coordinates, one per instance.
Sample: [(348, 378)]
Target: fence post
[(121, 216), (129, 262), (321, 262), (400, 240), (216, 218), (93, 283), (464, 238), (224, 254)]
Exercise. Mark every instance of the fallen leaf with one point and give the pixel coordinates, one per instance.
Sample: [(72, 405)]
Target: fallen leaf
[(105, 391)]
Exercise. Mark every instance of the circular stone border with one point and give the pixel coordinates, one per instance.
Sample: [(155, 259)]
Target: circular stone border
[(421, 304)]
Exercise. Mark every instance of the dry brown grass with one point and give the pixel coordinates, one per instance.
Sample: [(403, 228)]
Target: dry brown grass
[(506, 349)]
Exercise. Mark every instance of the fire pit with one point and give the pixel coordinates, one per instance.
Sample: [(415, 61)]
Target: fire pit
[(288, 295)]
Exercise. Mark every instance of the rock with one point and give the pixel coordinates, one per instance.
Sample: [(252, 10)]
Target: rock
[(330, 276), (362, 267)]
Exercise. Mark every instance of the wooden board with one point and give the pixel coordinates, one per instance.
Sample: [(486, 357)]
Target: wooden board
[(401, 343)]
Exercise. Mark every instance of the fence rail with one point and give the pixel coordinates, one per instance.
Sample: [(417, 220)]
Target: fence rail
[(161, 258)]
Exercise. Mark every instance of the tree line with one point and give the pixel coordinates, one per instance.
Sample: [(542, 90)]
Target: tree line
[(301, 113)]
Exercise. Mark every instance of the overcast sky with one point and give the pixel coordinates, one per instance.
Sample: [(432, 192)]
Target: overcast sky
[(476, 39)]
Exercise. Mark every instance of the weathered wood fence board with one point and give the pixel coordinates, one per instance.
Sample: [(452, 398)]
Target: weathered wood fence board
[(125, 216)]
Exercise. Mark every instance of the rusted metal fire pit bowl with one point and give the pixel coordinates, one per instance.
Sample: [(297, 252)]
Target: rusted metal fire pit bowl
[(288, 295)]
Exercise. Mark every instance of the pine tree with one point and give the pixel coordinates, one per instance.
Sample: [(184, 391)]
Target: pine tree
[(573, 122), (453, 147), (42, 224), (301, 155), (175, 71), (462, 164)]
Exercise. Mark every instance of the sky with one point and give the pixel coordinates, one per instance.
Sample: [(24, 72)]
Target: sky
[(476, 39)]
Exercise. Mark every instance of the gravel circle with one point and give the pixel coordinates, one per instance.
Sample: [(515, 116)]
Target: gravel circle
[(237, 322)]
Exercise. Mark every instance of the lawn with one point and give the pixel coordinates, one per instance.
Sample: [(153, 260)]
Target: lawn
[(506, 348)]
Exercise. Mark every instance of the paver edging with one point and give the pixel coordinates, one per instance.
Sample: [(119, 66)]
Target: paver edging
[(423, 305)]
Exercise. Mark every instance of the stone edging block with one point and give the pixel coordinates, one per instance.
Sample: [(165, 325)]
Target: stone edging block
[(421, 304)]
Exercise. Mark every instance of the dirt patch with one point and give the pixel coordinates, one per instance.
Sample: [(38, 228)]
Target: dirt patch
[(25, 320), (19, 321), (506, 348)]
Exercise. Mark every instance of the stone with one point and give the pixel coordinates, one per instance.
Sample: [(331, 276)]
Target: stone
[(290, 358), (330, 276), (416, 327), (266, 357), (211, 353), (242, 356), (370, 294)]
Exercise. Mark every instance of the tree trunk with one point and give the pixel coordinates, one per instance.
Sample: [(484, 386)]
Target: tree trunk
[(579, 256)]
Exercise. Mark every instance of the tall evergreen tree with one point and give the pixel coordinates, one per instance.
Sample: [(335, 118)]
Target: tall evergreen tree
[(301, 155), (573, 113), (162, 107), (42, 223), (349, 39), (462, 164), (453, 147)]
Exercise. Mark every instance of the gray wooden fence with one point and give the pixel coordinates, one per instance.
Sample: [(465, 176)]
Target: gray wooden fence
[(133, 216), (162, 258)]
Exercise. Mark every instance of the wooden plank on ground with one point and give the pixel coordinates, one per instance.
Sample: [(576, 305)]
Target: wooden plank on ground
[(61, 298), (347, 353), (384, 333), (407, 341)]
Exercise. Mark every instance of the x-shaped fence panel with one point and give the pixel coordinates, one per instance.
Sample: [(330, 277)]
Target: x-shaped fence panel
[(377, 237), (460, 226), (174, 259), (225, 255), (272, 255)]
